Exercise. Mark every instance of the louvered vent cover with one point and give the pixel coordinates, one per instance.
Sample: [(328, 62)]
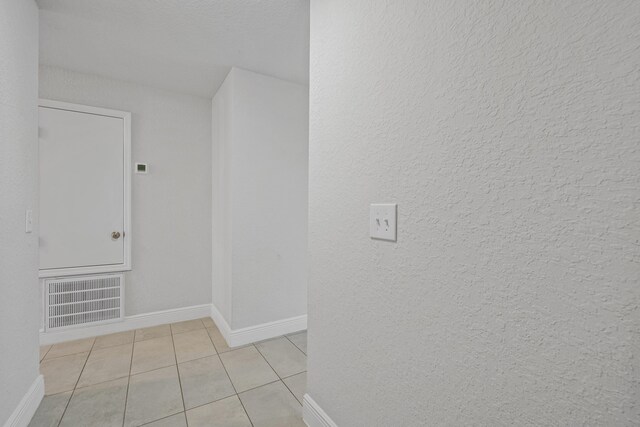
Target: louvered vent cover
[(77, 301)]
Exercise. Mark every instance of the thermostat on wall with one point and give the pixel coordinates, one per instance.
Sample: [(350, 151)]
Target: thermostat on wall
[(142, 168)]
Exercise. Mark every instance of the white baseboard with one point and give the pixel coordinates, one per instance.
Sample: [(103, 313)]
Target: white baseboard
[(268, 330), (221, 323), (313, 415), (129, 323), (234, 338), (28, 405), (263, 331)]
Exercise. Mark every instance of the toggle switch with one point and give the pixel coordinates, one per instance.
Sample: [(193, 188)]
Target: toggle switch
[(382, 221)]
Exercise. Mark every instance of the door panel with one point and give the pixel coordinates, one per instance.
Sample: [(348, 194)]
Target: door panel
[(81, 189)]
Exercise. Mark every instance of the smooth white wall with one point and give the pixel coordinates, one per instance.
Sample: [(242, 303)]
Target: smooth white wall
[(263, 138), (171, 209), (508, 134), (20, 303), (222, 225)]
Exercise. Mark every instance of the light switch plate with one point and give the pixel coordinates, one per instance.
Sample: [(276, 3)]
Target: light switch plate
[(382, 221)]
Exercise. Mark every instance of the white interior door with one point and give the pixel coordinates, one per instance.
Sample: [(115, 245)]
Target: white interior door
[(83, 191)]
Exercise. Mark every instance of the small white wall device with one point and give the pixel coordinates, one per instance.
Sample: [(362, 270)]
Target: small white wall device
[(142, 168), (382, 221), (28, 221)]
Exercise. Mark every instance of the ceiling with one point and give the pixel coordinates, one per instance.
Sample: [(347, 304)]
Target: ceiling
[(181, 45)]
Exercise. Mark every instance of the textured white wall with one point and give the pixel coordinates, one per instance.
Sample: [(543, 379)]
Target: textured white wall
[(508, 134), (19, 303), (263, 139), (171, 209)]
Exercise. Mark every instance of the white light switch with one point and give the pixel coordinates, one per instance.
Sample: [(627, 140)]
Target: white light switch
[(382, 221), (28, 221)]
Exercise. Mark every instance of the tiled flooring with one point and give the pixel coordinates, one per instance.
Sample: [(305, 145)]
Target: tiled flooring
[(173, 375)]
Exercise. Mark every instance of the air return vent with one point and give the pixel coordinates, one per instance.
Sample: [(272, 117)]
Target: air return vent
[(83, 300)]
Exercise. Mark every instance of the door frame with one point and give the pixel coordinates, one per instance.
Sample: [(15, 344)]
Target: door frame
[(127, 235)]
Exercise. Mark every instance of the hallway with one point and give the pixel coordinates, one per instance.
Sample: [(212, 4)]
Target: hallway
[(319, 213)]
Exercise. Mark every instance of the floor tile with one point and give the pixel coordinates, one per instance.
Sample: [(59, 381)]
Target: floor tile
[(300, 340), (152, 354), (247, 368), (272, 405), (97, 405), (223, 413), (208, 322), (153, 395), (204, 381), (50, 410), (62, 373), (106, 364), (159, 390), (44, 350), (153, 332), (186, 326), (297, 384), (70, 347), (177, 420), (284, 357), (113, 340), (193, 345)]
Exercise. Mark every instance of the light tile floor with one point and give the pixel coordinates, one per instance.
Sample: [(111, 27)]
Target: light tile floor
[(182, 374)]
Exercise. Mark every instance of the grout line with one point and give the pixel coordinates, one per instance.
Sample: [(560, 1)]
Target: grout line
[(64, 355), (281, 379), (212, 343), (175, 356), (164, 418), (151, 370), (46, 352), (292, 393), (265, 359), (289, 376), (213, 401), (244, 409), (258, 386), (232, 385), (190, 330), (150, 338), (190, 360), (101, 382), (115, 345), (77, 381), (226, 397), (126, 397), (296, 346)]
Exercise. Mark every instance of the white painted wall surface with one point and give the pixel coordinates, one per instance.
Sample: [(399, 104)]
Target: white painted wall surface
[(171, 206), (20, 303), (263, 138), (186, 47), (222, 225), (508, 134)]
